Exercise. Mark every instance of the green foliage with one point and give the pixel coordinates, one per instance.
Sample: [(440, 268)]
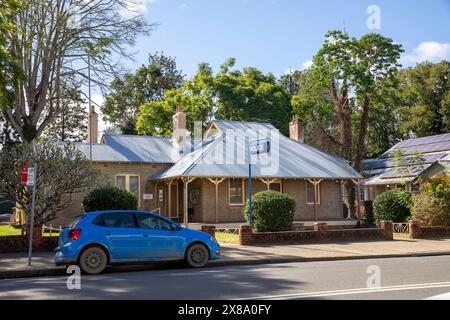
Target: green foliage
[(430, 210), (393, 205), (272, 211), (241, 95), (438, 186), (109, 198), (423, 99), (147, 86)]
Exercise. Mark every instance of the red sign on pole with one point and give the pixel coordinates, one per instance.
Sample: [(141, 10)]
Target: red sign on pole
[(24, 178)]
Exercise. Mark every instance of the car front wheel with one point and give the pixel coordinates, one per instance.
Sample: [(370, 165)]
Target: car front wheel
[(93, 260), (197, 256)]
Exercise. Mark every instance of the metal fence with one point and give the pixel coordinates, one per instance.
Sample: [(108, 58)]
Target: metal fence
[(227, 235), (401, 228)]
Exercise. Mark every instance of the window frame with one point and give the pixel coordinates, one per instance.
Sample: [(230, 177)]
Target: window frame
[(127, 184), (229, 193), (280, 182), (318, 193)]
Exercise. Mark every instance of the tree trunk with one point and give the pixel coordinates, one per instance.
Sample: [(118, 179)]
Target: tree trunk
[(361, 147)]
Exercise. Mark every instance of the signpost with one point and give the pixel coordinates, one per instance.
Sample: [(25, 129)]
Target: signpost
[(255, 147), (30, 180)]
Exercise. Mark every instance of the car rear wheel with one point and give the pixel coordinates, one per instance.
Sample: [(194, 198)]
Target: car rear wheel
[(93, 260), (197, 256)]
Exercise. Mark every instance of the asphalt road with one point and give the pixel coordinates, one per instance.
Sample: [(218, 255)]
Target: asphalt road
[(403, 278)]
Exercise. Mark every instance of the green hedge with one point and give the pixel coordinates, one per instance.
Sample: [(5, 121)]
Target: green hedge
[(109, 198), (394, 205), (272, 211)]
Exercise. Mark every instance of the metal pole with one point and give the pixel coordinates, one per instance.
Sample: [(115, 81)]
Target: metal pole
[(186, 202), (33, 200), (250, 211), (90, 107)]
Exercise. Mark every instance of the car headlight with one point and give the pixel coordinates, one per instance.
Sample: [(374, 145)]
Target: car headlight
[(213, 239)]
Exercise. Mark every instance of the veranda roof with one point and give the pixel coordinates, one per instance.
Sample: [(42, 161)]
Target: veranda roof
[(225, 154)]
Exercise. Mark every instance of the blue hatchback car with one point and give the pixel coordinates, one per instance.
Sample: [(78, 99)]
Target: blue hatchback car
[(97, 239)]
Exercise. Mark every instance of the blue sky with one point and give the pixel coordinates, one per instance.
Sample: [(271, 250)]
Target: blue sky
[(274, 35)]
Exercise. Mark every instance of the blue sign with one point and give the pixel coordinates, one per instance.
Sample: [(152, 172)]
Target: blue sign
[(259, 146)]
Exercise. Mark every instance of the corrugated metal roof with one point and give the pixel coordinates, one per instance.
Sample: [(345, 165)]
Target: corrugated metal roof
[(146, 149), (377, 180), (101, 152), (225, 154)]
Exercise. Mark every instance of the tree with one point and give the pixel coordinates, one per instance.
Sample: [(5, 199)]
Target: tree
[(147, 85), (62, 171), (376, 59), (71, 122), (8, 138), (353, 69), (52, 44), (247, 95), (9, 71), (424, 99)]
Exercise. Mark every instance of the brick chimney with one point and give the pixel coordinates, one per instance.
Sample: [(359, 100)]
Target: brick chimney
[(179, 128), (93, 126), (297, 130)]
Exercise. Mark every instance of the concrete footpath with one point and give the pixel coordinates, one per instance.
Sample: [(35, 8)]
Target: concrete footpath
[(14, 265)]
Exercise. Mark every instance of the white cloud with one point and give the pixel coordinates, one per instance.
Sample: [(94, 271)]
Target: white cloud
[(307, 64), (183, 6), (427, 51), (136, 7)]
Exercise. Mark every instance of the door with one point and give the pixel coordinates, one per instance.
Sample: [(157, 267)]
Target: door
[(122, 235), (159, 240)]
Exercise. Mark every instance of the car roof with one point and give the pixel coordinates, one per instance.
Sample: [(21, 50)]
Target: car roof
[(96, 213)]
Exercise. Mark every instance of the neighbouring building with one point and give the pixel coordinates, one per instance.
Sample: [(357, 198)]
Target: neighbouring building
[(406, 165), (205, 180)]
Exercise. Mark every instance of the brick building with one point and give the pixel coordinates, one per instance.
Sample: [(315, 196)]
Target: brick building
[(205, 180)]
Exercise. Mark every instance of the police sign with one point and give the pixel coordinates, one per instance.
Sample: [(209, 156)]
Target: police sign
[(259, 146)]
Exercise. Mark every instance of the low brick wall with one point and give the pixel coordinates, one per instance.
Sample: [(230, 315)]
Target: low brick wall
[(320, 234), (9, 244), (416, 231)]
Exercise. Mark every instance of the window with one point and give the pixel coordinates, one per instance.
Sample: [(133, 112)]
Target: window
[(115, 220), (275, 186), (130, 183), (236, 187), (148, 221), (362, 194), (310, 193)]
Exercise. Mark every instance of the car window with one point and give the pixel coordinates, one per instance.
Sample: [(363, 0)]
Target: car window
[(76, 220), (149, 221), (117, 220)]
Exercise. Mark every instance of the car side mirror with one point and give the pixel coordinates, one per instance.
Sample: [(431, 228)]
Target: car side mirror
[(175, 227)]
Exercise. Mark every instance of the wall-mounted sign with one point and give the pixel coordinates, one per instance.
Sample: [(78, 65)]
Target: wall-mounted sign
[(148, 196)]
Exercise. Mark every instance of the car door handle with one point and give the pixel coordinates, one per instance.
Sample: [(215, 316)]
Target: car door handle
[(107, 233), (145, 235)]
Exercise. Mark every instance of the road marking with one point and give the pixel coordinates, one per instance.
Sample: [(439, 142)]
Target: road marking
[(351, 291)]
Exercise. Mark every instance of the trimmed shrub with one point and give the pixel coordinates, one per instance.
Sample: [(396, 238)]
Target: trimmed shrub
[(393, 205), (431, 211), (109, 198), (272, 211)]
